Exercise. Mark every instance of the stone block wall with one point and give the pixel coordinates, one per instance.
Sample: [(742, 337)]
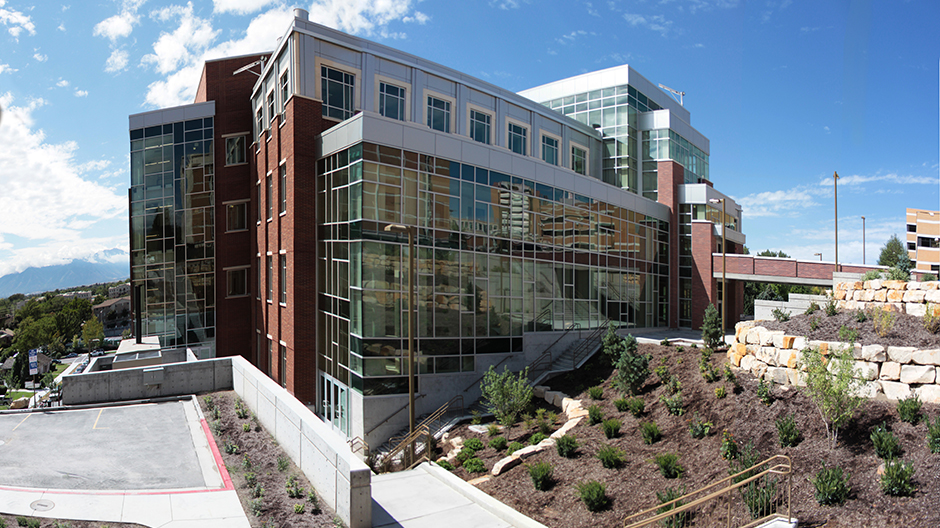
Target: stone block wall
[(898, 296)]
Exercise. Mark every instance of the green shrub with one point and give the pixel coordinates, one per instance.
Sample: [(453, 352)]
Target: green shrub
[(848, 335), (611, 428), (928, 277), (293, 488), (699, 428), (812, 308), (596, 393), (871, 275), (664, 342), (612, 344), (669, 465), (610, 457), (832, 486), (636, 406), (475, 417), (896, 479), (883, 321), (788, 434), (674, 385), (299, 508), (673, 404), (813, 324), (513, 447), (246, 463), (745, 459), (256, 491), (765, 392), (662, 372), (650, 432), (711, 327), (537, 437), (729, 376), (315, 501), (832, 384), (909, 409), (621, 404), (545, 428), (250, 479), (282, 463), (506, 394), (473, 443), (632, 368), (246, 427), (720, 392), (780, 315), (830, 308), (230, 448), (678, 520), (474, 465), (256, 507), (729, 447), (566, 446), (886, 445), (21, 521), (860, 316), (595, 415), (492, 430), (760, 496), (931, 319), (32, 523), (593, 494), (933, 435), (498, 442), (541, 474), (465, 454), (446, 465)]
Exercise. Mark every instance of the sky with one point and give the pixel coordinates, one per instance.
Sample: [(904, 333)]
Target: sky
[(788, 92)]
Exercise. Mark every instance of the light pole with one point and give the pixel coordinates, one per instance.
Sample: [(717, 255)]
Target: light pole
[(818, 255), (835, 194), (863, 241), (724, 284), (398, 228)]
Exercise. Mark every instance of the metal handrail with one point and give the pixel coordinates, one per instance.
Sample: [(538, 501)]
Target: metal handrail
[(546, 357), (778, 465), (587, 344), (426, 423), (362, 445), (417, 397), (410, 441)]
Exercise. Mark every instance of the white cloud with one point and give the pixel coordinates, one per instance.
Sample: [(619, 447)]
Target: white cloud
[(61, 27), (239, 7), (62, 83), (117, 61), (46, 197), (120, 25), (892, 178), (192, 35), (366, 17), (81, 93), (40, 57), (776, 203), (574, 35), (16, 21), (418, 17), (505, 4), (652, 22), (5, 68)]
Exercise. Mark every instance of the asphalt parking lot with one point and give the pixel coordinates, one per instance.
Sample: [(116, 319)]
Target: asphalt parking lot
[(137, 447)]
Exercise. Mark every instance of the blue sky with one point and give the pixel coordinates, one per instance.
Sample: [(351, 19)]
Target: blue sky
[(787, 92)]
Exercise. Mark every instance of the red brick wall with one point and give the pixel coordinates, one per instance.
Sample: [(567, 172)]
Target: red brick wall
[(785, 267), (704, 287), (670, 176)]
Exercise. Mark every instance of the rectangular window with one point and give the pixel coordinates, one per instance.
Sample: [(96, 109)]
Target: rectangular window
[(270, 358), (235, 150), (236, 282), (269, 279), (270, 100), (259, 116), (282, 187), (438, 114), (578, 160), (258, 283), (337, 89), (392, 101), (517, 138), (236, 216), (258, 196), (911, 228), (285, 90), (480, 127), (269, 185), (550, 150), (282, 368), (911, 246), (283, 279)]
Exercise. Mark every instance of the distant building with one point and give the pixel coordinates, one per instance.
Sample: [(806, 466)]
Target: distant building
[(119, 291), (44, 361), (114, 315), (6, 337), (77, 295), (923, 240)]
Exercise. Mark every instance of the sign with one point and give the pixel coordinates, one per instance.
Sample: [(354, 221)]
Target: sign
[(34, 362)]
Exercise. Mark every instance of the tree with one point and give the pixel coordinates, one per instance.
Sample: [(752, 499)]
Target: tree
[(834, 389), (891, 252), (612, 343), (506, 395), (92, 331), (711, 327), (632, 368)]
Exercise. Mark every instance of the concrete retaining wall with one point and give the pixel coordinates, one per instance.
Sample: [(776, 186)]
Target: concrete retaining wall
[(173, 379)]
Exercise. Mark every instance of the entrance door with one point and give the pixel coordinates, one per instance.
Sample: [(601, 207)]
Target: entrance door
[(334, 400)]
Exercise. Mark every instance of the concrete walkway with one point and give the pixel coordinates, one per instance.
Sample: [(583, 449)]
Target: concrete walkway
[(429, 496)]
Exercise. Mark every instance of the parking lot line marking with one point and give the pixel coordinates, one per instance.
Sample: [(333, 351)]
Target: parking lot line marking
[(23, 420), (96, 420)]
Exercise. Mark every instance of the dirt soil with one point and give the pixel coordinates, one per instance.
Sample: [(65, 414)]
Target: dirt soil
[(263, 452), (907, 330), (633, 487), (52, 523)]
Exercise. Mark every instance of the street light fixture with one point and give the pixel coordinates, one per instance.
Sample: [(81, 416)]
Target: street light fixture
[(398, 228), (818, 255), (863, 241), (724, 284), (835, 195)]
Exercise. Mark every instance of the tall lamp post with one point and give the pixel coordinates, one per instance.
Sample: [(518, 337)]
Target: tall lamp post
[(818, 255), (724, 284), (398, 228), (835, 194), (863, 241)]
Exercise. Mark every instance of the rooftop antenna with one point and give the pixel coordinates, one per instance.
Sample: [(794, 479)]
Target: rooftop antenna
[(248, 67), (674, 93)]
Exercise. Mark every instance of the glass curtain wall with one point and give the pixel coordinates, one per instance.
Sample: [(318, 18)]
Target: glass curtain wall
[(497, 256)]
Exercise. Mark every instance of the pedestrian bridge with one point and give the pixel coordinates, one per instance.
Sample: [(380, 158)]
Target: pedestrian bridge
[(783, 270)]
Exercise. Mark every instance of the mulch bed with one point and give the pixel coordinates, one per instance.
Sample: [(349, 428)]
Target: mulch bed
[(907, 330), (633, 487), (262, 450)]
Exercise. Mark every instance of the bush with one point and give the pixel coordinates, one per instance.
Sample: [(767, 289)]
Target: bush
[(909, 409), (299, 508), (498, 443), (673, 404), (699, 429), (610, 457), (506, 395), (787, 432), (293, 488), (537, 437), (662, 372), (711, 327), (596, 393), (871, 275), (256, 507), (541, 474), (813, 308), (813, 324), (664, 342), (765, 392), (513, 447), (830, 308), (780, 316), (650, 432), (678, 520), (860, 316), (896, 479), (883, 321), (246, 427), (282, 463), (473, 443), (729, 447), (760, 496), (636, 406), (632, 368), (446, 465), (595, 415), (833, 388), (230, 448), (933, 435), (474, 465), (465, 454), (745, 459), (612, 344), (250, 479), (566, 446), (669, 465), (832, 486), (593, 495), (932, 319), (314, 501), (886, 445), (611, 428), (492, 430), (621, 405), (720, 392), (848, 335)]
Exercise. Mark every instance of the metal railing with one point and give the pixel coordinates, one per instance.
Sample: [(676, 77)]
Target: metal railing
[(679, 512), (358, 444), (376, 426), (431, 418), (544, 361), (410, 459), (586, 345)]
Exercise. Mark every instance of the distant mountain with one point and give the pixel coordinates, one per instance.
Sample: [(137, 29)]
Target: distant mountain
[(105, 266)]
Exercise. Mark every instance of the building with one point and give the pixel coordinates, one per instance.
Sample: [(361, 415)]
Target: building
[(87, 295), (120, 290), (271, 219), (923, 240), (114, 315)]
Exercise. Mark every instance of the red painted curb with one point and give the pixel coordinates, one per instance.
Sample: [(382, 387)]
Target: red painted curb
[(217, 455)]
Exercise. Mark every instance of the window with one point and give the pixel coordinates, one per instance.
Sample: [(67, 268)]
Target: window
[(549, 150), (438, 114), (285, 90), (911, 228), (235, 150), (283, 279), (270, 100), (258, 284), (258, 196), (392, 101), (269, 195), (269, 278), (479, 127), (259, 116), (269, 359), (282, 368), (236, 216), (579, 160), (236, 282), (282, 187), (337, 89), (517, 138)]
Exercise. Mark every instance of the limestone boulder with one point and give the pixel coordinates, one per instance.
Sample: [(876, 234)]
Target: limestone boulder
[(796, 377), (874, 284), (767, 355), (505, 465), (928, 393), (880, 296), (767, 337), (926, 357), (915, 309), (918, 374), (895, 285), (895, 296), (932, 296), (873, 353), (777, 375), (799, 343), (538, 391), (563, 430), (868, 390), (900, 355), (866, 370), (894, 390), (747, 362), (890, 371), (758, 369), (914, 296), (839, 295), (753, 335)]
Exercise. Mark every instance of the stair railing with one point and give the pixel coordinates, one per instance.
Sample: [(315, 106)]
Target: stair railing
[(674, 512), (586, 346), (376, 426), (544, 361), (431, 418), (410, 441), (358, 444)]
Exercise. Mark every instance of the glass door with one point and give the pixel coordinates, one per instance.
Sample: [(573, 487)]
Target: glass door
[(334, 398)]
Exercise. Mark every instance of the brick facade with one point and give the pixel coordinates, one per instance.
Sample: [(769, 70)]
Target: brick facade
[(670, 176)]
